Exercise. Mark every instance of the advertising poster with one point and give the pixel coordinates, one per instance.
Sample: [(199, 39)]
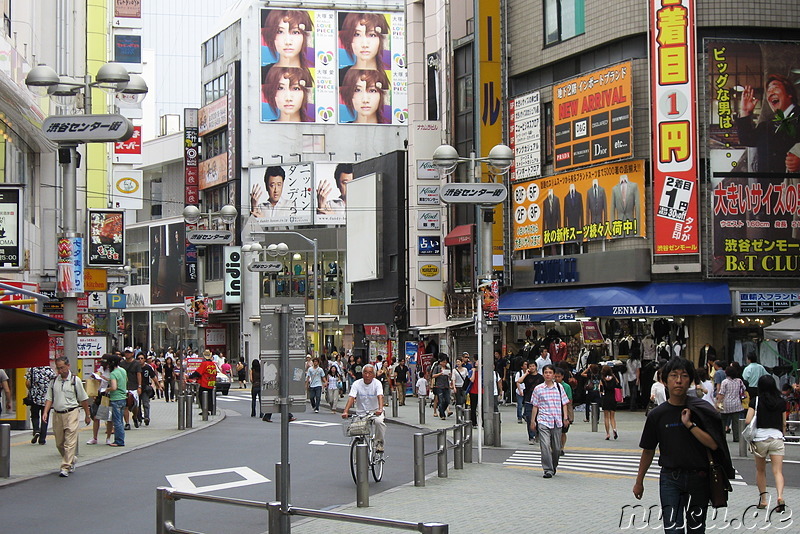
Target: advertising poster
[(10, 228), (128, 192), (106, 232), (128, 48), (128, 8), (69, 274), (324, 66), (754, 145), (212, 116), (330, 192), (168, 283), (525, 136), (603, 202), (281, 195), (592, 117), (213, 171), (673, 115), (490, 298)]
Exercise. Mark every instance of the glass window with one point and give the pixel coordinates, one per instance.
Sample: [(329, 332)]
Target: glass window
[(563, 19)]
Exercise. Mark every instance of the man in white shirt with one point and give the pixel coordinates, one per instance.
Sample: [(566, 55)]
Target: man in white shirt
[(544, 359), (367, 395)]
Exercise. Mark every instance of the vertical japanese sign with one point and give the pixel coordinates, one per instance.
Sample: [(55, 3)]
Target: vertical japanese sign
[(674, 125), (106, 238), (525, 136), (69, 275), (490, 93), (191, 170), (234, 158), (11, 228), (130, 150)]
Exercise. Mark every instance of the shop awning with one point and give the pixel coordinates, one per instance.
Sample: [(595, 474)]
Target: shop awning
[(23, 336), (460, 235), (654, 299), (441, 328), (786, 329)]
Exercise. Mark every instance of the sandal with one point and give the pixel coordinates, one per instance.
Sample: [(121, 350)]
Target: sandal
[(761, 504), (781, 507)]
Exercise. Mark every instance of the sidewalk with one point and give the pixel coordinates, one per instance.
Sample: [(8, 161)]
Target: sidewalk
[(31, 461)]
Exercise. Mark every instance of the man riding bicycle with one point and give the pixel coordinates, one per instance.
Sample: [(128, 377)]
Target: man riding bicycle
[(367, 395)]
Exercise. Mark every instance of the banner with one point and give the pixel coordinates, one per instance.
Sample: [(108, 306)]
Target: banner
[(11, 245), (281, 195), (592, 117), (674, 126), (603, 202), (69, 273), (106, 233), (525, 136)]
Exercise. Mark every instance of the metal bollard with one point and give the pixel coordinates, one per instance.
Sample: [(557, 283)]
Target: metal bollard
[(394, 406), (422, 410), (204, 400), (496, 438), (419, 460), (441, 456), (278, 478), (435, 528), (5, 451), (275, 518), (468, 442), (595, 415), (179, 398), (362, 476), (165, 511), (458, 454), (188, 410)]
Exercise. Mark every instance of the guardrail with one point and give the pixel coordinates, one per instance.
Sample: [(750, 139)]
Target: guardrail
[(462, 445)]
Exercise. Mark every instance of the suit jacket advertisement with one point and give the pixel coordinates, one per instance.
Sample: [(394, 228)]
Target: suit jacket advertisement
[(604, 202)]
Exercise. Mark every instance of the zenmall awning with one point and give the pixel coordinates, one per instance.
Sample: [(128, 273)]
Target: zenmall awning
[(654, 299), (23, 336), (460, 235)]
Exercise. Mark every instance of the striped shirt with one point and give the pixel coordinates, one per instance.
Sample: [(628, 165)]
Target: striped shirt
[(549, 401)]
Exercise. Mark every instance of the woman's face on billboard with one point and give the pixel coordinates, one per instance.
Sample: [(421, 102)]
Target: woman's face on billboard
[(366, 44), (366, 100), (289, 44)]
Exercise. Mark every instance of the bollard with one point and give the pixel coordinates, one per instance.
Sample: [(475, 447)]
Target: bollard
[(458, 455), (204, 400), (595, 416), (422, 410), (468, 442), (165, 511), (394, 406), (362, 475), (5, 451), (496, 438), (441, 456), (275, 516), (435, 528), (419, 460), (188, 410), (180, 398)]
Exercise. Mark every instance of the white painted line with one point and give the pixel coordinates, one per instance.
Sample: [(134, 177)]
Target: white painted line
[(320, 442), (183, 481), (318, 424)]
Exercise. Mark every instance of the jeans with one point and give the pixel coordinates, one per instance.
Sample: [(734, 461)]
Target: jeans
[(144, 399), (727, 421), (550, 447), (528, 414), (444, 401), (684, 491), (520, 408), (316, 395), (39, 426), (117, 409), (255, 391)]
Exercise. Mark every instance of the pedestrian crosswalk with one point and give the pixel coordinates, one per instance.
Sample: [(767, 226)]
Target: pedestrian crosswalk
[(594, 462), (233, 398)]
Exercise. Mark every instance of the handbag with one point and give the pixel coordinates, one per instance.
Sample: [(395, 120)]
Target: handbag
[(749, 432), (103, 412), (618, 394), (718, 484), (26, 400)]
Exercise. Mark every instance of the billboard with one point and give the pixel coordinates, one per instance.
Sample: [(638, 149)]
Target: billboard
[(330, 187), (213, 171), (324, 66), (11, 244), (281, 195), (592, 117), (168, 276), (603, 202), (673, 116), (213, 116), (106, 247)]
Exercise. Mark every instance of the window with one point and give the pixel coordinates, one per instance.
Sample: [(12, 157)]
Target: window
[(213, 49), (563, 19), (7, 18), (215, 144), (215, 89)]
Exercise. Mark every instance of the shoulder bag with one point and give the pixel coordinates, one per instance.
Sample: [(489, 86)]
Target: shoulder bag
[(718, 485), (749, 432)]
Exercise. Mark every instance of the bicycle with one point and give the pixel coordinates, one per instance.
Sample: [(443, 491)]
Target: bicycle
[(361, 429)]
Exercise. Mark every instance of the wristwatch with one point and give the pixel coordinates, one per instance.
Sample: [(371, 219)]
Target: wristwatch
[(694, 425)]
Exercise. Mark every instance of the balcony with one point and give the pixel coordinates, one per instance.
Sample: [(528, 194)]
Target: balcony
[(459, 302)]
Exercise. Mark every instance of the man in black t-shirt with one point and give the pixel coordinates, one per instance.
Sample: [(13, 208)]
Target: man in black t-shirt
[(149, 384), (683, 445), (530, 380)]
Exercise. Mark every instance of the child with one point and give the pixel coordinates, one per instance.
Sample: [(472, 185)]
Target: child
[(421, 387)]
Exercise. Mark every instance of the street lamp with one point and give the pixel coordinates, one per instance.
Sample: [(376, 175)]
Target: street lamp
[(192, 215), (499, 160), (112, 77)]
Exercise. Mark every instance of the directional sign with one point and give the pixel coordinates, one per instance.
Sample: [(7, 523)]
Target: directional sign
[(210, 237), (265, 267), (87, 128), (482, 193)]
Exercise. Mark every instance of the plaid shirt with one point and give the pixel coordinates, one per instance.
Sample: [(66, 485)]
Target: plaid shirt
[(549, 401)]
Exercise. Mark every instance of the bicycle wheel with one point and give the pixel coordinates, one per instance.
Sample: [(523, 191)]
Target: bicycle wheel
[(377, 460), (353, 467)]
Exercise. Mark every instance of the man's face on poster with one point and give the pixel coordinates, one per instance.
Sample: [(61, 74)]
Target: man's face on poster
[(777, 97), (344, 179), (274, 188)]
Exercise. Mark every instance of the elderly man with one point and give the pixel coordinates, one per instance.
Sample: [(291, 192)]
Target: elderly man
[(367, 395), (65, 395)]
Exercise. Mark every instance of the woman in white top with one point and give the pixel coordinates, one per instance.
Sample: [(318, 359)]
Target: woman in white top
[(520, 391), (460, 373), (658, 393), (770, 413), (103, 374)]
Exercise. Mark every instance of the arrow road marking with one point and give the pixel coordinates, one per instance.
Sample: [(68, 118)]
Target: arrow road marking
[(183, 481)]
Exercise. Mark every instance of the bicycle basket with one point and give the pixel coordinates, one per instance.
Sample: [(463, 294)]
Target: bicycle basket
[(358, 427)]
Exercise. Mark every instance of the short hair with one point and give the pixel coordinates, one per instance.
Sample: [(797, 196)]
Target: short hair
[(788, 86), (372, 78), (295, 19), (63, 359), (752, 357), (676, 363), (342, 168), (558, 370), (274, 171), (373, 22), (372, 367), (548, 366), (296, 76)]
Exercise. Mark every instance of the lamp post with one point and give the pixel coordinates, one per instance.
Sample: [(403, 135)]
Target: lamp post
[(201, 238), (484, 197), (115, 78)]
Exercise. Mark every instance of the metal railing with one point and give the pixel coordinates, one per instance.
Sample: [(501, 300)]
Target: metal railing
[(461, 444), (167, 497)]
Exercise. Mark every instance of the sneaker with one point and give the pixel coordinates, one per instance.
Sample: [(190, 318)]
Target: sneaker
[(92, 442), (63, 473), (561, 453), (136, 423), (521, 421), (532, 441), (128, 426), (72, 468), (379, 446), (547, 475), (292, 419), (35, 438), (147, 421), (316, 411)]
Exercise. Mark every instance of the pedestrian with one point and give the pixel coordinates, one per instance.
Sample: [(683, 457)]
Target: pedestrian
[(382, 375), (134, 370), (729, 401), (750, 375), (770, 414), (658, 392), (704, 386), (592, 386), (315, 380), (241, 372), (255, 387), (226, 368), (460, 374), (118, 395), (37, 379), (421, 387), (159, 367), (65, 394), (543, 359), (400, 381), (608, 385), (149, 385), (206, 376), (5, 390), (719, 375), (687, 432), (529, 382), (519, 390), (442, 381), (169, 379), (559, 378), (332, 389), (103, 375), (633, 369), (549, 416)]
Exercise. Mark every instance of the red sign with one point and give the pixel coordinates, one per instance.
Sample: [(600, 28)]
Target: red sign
[(375, 330), (674, 127), (133, 145)]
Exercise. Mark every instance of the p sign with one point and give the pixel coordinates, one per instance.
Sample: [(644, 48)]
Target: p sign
[(117, 301)]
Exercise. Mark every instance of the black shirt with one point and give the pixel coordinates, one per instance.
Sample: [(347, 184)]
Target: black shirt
[(530, 381), (766, 418), (148, 373), (401, 374), (133, 368), (679, 449)]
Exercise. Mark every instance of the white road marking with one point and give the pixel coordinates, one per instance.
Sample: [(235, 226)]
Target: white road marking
[(183, 481), (320, 442), (318, 424)]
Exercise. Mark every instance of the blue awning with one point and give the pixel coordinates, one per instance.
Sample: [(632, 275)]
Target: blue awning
[(653, 299)]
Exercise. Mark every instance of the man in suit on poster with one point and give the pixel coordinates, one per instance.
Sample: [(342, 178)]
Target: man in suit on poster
[(552, 211), (596, 205), (625, 202), (573, 210)]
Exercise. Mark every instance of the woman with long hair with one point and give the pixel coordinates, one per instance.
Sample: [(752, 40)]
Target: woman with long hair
[(287, 91), (770, 413), (608, 384), (287, 34), (363, 37), (363, 93)]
